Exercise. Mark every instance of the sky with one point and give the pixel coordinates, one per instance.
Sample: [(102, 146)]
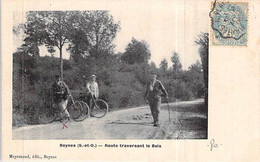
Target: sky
[(166, 27)]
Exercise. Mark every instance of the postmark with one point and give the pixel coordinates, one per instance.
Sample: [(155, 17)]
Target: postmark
[(229, 23)]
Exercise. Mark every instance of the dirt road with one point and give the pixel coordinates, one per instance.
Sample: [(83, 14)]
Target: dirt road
[(188, 121)]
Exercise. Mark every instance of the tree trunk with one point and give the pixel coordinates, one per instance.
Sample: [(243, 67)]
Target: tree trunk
[(61, 63)]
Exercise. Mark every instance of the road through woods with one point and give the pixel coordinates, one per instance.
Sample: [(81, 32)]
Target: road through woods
[(188, 121)]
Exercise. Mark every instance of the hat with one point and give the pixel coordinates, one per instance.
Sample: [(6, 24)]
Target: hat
[(57, 76), (93, 75)]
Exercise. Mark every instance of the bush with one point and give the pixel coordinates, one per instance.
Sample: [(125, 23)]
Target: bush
[(121, 84)]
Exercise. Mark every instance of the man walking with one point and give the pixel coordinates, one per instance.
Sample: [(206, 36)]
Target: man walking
[(92, 89), (154, 91), (60, 92)]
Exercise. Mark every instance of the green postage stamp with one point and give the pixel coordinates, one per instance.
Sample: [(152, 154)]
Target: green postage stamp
[(229, 23)]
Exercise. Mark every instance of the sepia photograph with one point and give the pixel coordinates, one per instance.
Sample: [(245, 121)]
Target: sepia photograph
[(109, 80), (92, 75)]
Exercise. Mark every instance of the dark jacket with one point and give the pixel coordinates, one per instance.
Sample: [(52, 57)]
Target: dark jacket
[(155, 90), (57, 90)]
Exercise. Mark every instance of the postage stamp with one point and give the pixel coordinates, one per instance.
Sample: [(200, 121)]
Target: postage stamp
[(229, 23)]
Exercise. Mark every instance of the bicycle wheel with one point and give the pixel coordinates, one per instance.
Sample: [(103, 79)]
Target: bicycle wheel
[(99, 108), (79, 111), (46, 115)]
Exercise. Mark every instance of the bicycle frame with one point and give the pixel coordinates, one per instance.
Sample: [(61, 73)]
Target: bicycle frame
[(93, 101), (83, 110), (72, 99), (79, 107)]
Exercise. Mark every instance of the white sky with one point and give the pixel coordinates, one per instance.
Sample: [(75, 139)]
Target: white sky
[(165, 28)]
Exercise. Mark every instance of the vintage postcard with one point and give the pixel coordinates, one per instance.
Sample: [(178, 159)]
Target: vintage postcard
[(166, 80)]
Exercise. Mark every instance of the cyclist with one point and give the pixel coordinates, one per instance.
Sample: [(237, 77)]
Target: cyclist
[(92, 89), (60, 92)]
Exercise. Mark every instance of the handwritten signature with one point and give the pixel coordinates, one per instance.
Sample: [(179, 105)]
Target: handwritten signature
[(213, 145)]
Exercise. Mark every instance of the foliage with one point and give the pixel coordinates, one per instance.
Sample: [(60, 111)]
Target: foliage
[(164, 65), (176, 63), (93, 35), (136, 52), (203, 42), (121, 77)]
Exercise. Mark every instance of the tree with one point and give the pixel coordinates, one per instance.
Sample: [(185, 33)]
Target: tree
[(203, 42), (91, 42), (50, 28), (136, 52), (176, 64), (164, 65), (195, 79), (93, 35), (153, 66), (34, 30), (196, 67)]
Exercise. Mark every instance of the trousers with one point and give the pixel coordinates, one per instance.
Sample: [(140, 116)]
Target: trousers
[(155, 108), (89, 98), (62, 105)]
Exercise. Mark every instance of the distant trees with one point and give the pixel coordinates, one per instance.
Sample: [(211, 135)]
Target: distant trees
[(176, 63), (136, 52), (182, 84), (164, 65)]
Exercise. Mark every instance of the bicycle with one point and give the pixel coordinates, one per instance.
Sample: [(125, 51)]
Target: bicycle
[(98, 107), (78, 111)]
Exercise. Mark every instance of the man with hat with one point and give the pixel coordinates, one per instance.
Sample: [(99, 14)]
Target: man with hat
[(92, 89), (154, 91), (60, 92)]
